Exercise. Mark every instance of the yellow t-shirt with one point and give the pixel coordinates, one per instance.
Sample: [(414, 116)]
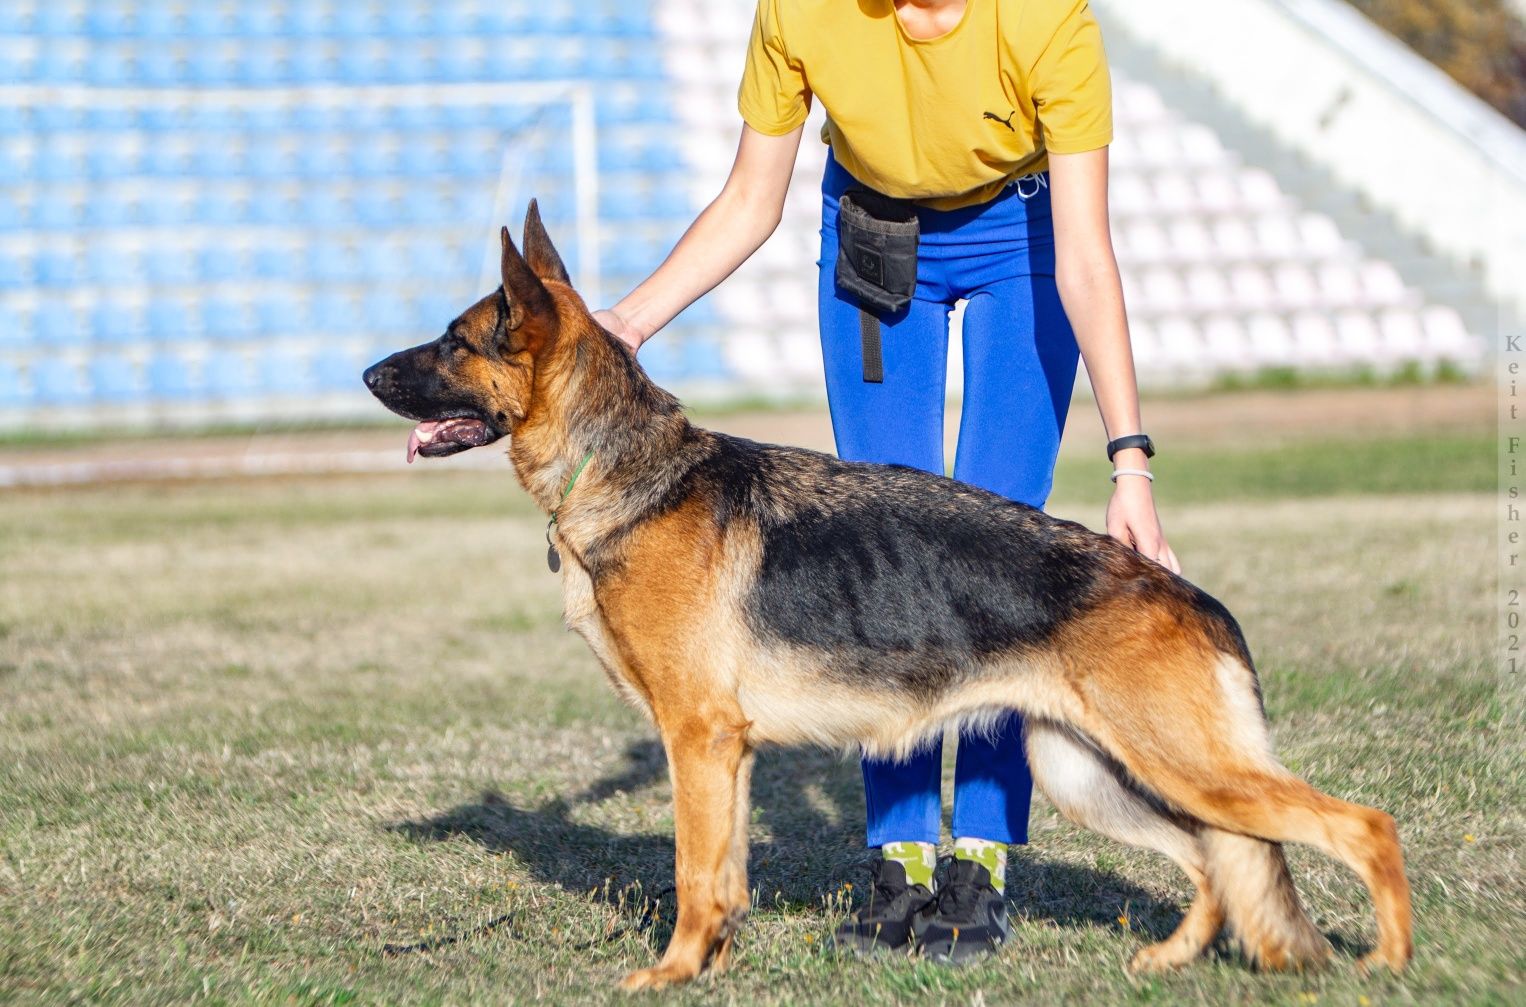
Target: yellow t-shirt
[(948, 120)]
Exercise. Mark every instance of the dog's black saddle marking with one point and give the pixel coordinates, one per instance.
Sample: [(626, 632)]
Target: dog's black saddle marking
[(908, 577)]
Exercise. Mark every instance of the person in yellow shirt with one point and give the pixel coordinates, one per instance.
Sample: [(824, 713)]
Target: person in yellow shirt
[(968, 161)]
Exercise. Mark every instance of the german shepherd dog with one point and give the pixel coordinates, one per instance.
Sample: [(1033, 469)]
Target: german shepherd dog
[(745, 594)]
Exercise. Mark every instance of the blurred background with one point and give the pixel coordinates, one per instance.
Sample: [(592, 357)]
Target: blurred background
[(218, 212), (271, 700)]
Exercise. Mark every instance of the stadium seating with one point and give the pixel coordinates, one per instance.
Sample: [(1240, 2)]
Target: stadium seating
[(250, 200)]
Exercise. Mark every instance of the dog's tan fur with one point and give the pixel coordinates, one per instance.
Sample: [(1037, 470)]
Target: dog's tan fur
[(1144, 719)]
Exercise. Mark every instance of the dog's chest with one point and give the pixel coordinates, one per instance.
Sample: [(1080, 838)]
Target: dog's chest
[(580, 611)]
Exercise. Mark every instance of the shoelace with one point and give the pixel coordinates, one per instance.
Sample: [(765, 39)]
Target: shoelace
[(958, 897)]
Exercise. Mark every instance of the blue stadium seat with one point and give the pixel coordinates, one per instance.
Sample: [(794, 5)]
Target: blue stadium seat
[(283, 372), (14, 119), (384, 260), (222, 262), (106, 159), (309, 19), (217, 159), (355, 20), (58, 324), (265, 119), (58, 382), (314, 62), (54, 268), (225, 319), (54, 211), (272, 206), (113, 265), (15, 164), (114, 379), (158, 20), (110, 67), (208, 20), (274, 262), (282, 315), (109, 118), (337, 370), (260, 19), (387, 312), (169, 321), (170, 266), (270, 159), (169, 377), (158, 67), (167, 160), (229, 375), (335, 313), (321, 159), (217, 206), (15, 270), (105, 209), (14, 333), (213, 119), (701, 359), (432, 312), (120, 324), (333, 262), (13, 394), (57, 162)]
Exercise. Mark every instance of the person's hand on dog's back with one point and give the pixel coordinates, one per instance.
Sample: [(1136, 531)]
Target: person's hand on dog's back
[(617, 327)]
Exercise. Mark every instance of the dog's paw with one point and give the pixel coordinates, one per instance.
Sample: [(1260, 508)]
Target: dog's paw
[(1158, 958), (655, 978), (1380, 959)]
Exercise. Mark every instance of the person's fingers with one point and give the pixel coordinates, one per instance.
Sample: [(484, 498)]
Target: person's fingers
[(1169, 560), (1119, 529)]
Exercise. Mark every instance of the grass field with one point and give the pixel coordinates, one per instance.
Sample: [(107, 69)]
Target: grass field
[(252, 733)]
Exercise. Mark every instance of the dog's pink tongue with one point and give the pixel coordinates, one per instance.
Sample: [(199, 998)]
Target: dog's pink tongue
[(421, 435)]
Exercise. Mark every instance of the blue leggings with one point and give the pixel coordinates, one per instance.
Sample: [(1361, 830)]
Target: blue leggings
[(1019, 369)]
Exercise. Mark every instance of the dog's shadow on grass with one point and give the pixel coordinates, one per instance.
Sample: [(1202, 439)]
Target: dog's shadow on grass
[(809, 805)]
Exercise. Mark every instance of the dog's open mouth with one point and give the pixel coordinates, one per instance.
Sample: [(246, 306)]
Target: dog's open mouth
[(438, 438)]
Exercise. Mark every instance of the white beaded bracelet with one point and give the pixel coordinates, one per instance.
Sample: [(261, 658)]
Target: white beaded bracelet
[(1133, 472)]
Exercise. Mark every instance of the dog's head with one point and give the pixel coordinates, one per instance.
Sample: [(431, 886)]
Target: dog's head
[(475, 384)]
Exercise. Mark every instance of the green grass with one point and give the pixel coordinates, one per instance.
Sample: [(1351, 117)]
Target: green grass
[(251, 733), (1457, 462)]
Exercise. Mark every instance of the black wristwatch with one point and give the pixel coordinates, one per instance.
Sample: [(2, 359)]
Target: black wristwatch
[(1118, 444)]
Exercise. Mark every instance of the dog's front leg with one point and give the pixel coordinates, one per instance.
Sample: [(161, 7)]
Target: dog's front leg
[(706, 757)]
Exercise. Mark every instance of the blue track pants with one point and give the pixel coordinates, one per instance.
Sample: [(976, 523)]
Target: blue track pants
[(1019, 369)]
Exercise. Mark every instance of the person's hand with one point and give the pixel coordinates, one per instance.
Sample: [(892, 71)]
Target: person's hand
[(618, 328), (1131, 519)]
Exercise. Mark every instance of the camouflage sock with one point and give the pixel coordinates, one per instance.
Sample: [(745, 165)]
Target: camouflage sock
[(991, 856), (918, 859)]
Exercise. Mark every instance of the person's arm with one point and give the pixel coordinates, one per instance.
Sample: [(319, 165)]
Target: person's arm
[(1086, 272), (731, 228)]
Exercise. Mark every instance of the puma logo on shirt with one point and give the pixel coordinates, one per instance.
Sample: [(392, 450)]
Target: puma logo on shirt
[(1007, 122)]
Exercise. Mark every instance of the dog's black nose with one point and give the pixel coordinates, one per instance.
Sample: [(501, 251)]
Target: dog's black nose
[(372, 376)]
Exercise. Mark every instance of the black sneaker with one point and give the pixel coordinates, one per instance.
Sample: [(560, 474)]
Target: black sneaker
[(883, 923), (966, 920)]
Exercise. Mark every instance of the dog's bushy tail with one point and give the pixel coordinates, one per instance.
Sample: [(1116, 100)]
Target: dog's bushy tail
[(1251, 878)]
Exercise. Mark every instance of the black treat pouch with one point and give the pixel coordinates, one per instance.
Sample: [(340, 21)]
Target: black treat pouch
[(877, 249)]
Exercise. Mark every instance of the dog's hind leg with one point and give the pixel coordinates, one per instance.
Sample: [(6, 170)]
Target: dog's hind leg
[(1252, 877), (1187, 727), (1091, 790), (707, 751)]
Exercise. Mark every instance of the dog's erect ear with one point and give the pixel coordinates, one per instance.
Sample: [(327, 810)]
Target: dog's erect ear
[(527, 296), (539, 251)]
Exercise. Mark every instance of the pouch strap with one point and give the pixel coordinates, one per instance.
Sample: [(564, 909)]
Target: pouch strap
[(869, 341)]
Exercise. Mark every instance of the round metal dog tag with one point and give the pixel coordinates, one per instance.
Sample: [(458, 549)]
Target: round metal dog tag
[(553, 558)]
